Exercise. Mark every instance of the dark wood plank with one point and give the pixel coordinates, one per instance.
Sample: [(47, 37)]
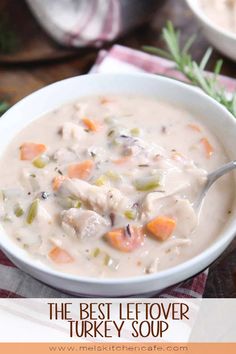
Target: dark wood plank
[(32, 42)]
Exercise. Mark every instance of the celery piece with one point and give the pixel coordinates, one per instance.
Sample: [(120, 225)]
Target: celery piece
[(130, 214), (135, 132), (100, 181), (18, 211), (41, 161), (107, 260), (69, 202), (77, 204), (96, 252), (113, 175), (72, 203), (2, 196), (146, 184), (33, 209), (7, 218), (109, 120)]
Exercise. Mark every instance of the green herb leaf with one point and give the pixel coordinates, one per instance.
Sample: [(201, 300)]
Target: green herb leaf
[(33, 210), (193, 71)]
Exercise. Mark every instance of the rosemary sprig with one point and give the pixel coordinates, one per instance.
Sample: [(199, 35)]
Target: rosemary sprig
[(193, 71)]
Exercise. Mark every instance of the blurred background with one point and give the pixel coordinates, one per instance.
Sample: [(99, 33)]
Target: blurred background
[(43, 41)]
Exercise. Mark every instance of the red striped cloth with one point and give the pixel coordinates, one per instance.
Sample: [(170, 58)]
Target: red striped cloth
[(83, 23), (15, 283)]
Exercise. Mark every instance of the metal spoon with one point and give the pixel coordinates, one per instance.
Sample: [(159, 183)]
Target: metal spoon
[(211, 178)]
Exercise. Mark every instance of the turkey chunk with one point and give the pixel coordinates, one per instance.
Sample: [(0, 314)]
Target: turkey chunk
[(64, 155), (72, 131), (101, 199), (175, 207), (83, 223)]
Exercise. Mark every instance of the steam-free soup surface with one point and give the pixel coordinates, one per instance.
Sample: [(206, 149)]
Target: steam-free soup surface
[(221, 12), (104, 186)]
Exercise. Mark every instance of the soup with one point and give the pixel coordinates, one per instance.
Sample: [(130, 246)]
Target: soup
[(221, 12), (105, 186)]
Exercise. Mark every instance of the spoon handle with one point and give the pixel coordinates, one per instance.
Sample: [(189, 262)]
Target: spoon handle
[(211, 178)]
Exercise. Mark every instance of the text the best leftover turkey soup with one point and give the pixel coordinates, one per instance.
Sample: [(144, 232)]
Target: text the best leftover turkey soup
[(104, 186)]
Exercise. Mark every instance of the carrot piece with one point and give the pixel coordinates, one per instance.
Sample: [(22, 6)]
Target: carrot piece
[(126, 239), (28, 151), (161, 227), (81, 170), (195, 127), (207, 147), (60, 256), (90, 124), (57, 182), (122, 160)]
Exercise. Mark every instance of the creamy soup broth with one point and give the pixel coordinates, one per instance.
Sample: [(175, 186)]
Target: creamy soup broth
[(221, 12), (104, 186)]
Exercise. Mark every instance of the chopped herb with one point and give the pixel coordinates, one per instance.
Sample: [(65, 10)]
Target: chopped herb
[(163, 129), (143, 165), (128, 230), (60, 173), (110, 133), (112, 218), (33, 175), (59, 132), (135, 205), (92, 154), (33, 210)]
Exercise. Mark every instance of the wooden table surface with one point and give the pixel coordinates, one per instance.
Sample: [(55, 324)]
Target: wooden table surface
[(19, 79)]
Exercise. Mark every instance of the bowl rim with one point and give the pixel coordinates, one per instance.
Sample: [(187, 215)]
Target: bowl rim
[(196, 9), (223, 237)]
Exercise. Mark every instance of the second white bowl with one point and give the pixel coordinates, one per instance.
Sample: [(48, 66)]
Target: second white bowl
[(220, 38)]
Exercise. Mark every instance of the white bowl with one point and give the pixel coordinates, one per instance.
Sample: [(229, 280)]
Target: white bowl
[(223, 40), (216, 117)]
